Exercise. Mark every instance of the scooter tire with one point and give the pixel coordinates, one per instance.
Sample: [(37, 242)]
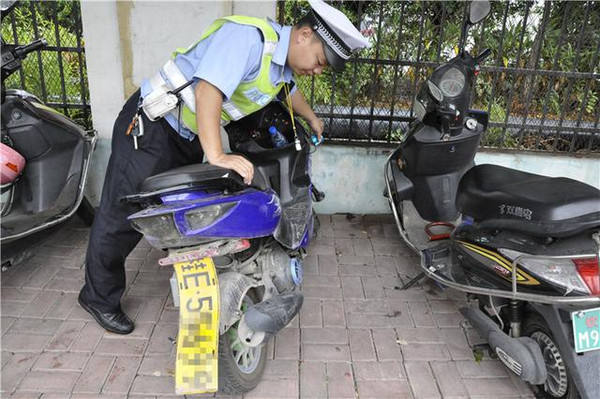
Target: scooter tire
[(536, 328), (233, 380)]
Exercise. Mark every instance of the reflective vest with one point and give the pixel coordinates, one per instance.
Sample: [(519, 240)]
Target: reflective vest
[(249, 96)]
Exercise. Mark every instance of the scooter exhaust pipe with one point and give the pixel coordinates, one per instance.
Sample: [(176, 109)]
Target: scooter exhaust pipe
[(521, 355), (267, 318)]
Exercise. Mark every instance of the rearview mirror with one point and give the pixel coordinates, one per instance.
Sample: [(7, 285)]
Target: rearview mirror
[(478, 10)]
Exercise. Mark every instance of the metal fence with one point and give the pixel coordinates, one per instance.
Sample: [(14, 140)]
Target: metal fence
[(57, 73), (541, 86)]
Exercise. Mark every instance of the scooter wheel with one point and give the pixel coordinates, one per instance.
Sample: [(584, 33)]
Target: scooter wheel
[(240, 366), (559, 384)]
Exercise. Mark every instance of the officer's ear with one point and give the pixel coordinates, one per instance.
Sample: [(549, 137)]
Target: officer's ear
[(305, 34)]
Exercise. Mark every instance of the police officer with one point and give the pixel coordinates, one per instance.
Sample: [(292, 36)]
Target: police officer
[(237, 67)]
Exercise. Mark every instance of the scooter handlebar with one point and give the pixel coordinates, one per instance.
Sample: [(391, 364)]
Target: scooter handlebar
[(22, 51), (484, 54), (315, 140)]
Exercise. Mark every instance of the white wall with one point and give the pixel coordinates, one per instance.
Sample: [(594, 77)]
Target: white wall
[(105, 81), (352, 177), (153, 42), (103, 59), (126, 41)]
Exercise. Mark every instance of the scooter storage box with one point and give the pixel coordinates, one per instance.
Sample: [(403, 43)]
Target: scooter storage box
[(426, 155), (284, 168)]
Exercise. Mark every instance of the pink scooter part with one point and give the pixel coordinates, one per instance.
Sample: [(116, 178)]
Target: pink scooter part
[(11, 164)]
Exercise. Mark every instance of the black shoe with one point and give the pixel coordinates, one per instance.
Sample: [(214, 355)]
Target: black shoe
[(116, 322)]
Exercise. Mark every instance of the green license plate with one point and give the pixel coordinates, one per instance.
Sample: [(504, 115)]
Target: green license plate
[(586, 329)]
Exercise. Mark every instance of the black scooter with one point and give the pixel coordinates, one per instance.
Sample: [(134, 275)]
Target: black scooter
[(45, 157), (525, 247)]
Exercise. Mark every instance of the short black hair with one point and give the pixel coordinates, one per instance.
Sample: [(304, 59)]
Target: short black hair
[(308, 21), (305, 21)]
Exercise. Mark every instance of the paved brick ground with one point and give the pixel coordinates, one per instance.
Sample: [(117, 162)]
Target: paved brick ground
[(356, 336)]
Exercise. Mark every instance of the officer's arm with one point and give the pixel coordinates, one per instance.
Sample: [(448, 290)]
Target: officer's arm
[(302, 108), (208, 116), (209, 100)]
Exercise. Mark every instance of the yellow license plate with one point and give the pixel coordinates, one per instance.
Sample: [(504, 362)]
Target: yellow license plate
[(196, 366)]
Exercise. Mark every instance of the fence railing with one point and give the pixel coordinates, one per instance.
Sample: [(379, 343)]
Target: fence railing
[(57, 73), (541, 85)]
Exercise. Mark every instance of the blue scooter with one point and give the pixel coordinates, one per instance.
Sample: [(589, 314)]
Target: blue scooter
[(236, 249)]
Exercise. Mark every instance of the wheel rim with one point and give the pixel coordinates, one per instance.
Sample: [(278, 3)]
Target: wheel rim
[(557, 381), (246, 357)]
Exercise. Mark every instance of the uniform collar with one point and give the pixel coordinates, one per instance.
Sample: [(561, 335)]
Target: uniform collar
[(281, 52)]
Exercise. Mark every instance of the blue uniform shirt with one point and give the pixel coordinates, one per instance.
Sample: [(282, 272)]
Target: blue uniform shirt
[(226, 58)]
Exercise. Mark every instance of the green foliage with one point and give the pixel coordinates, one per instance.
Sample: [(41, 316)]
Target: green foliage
[(57, 24), (429, 31)]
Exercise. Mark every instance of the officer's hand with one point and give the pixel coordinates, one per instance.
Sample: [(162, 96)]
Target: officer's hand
[(236, 162), (317, 125)]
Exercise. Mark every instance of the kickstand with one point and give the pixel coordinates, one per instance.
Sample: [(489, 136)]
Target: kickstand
[(412, 282)]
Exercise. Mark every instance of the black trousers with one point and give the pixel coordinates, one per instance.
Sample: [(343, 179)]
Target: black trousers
[(112, 237)]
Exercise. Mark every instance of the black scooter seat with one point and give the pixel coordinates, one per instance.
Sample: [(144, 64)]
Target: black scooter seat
[(196, 175), (504, 198), (192, 175)]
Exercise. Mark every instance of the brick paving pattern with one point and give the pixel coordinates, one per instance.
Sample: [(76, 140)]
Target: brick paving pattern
[(357, 336)]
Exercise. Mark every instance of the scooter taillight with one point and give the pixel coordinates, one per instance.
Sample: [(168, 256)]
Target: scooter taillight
[(589, 271), (563, 272)]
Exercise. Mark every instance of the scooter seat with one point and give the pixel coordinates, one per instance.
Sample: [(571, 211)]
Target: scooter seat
[(504, 198), (202, 174)]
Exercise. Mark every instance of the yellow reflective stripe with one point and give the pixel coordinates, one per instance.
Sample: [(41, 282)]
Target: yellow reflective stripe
[(522, 276), (267, 30), (240, 104), (189, 119)]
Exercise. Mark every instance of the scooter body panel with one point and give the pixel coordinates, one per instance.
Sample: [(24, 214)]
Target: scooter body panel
[(57, 152), (249, 214), (482, 253), (434, 167)]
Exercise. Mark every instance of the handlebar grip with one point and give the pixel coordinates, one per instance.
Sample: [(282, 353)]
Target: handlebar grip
[(484, 54), (315, 140), (22, 51)]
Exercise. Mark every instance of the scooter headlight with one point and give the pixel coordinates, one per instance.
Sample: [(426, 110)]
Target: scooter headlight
[(200, 218), (561, 272)]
